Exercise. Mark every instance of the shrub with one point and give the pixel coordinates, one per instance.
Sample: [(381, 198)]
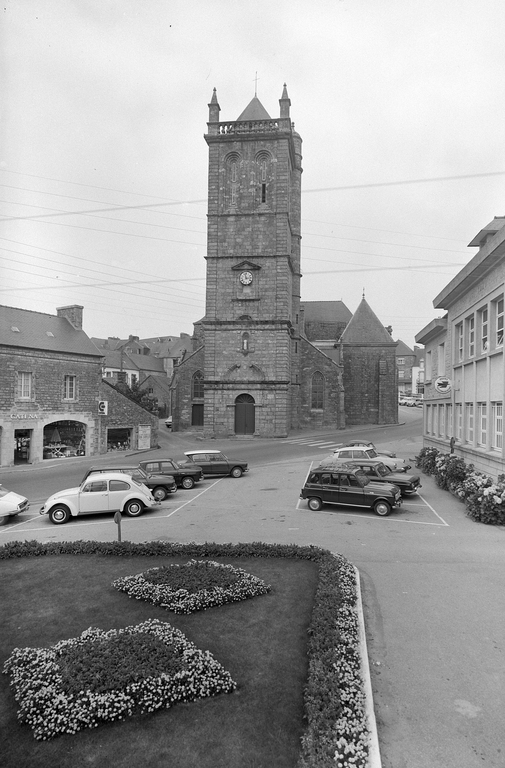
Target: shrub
[(484, 499), (426, 460)]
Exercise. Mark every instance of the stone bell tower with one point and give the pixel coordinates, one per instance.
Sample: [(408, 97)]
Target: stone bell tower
[(250, 331)]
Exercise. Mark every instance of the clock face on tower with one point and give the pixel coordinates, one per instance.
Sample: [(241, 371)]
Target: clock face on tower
[(246, 278)]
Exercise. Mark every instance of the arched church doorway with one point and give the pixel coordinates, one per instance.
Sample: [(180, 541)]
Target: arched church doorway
[(245, 416)]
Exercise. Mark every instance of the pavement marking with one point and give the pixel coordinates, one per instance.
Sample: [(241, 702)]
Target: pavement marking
[(75, 524), (377, 517)]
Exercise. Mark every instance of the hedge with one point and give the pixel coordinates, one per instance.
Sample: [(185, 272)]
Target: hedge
[(483, 497)]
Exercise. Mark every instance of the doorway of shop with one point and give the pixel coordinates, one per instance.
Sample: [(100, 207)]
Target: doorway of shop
[(22, 442)]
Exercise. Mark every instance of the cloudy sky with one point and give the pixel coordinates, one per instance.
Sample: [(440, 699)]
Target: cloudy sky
[(103, 165)]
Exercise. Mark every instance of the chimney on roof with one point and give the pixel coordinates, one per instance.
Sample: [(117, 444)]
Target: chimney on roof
[(73, 313), (133, 338)]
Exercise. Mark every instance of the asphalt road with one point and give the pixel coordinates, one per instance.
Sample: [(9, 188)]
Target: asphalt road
[(433, 581)]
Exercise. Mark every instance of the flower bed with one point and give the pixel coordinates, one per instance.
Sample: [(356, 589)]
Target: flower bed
[(102, 676), (483, 497), (195, 586), (337, 729)]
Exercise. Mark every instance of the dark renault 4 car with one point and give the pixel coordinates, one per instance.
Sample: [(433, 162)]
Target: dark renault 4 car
[(185, 474), (159, 485), (216, 463), (346, 485), (379, 473)]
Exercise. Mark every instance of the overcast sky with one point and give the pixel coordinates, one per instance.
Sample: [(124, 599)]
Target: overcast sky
[(104, 108)]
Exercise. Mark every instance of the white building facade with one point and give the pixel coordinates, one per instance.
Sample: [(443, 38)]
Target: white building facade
[(464, 386)]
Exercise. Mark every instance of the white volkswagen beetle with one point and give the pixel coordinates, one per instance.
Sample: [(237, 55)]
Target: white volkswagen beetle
[(11, 504), (107, 492)]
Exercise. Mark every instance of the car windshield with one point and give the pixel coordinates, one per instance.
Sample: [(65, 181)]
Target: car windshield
[(3, 491), (371, 453), (383, 470), (138, 474)]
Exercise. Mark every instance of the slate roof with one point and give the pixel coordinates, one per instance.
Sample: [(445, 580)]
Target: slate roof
[(365, 328), (37, 330), (402, 350), (325, 311), (254, 111), (115, 359)]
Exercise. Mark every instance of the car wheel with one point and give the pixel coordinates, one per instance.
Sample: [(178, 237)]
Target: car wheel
[(236, 472), (159, 493), (187, 482), (59, 514), (314, 503), (133, 508), (382, 508)]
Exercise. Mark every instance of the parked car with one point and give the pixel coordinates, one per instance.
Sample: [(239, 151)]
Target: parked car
[(216, 463), (185, 474), (348, 454), (11, 504), (159, 485), (407, 400), (367, 444), (346, 485), (168, 422), (111, 492), (379, 473)]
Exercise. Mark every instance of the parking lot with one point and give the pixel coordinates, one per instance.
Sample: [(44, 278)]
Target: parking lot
[(215, 508)]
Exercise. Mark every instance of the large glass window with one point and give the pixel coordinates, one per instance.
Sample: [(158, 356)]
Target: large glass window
[(24, 385), (481, 424), (317, 399), (459, 421), (459, 342), (448, 421), (441, 420), (499, 322), (470, 330), (483, 329), (497, 426), (469, 426)]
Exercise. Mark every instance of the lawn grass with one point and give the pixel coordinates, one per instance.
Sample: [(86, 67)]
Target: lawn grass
[(262, 642)]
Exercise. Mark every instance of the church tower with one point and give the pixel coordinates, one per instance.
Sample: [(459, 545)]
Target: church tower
[(250, 332)]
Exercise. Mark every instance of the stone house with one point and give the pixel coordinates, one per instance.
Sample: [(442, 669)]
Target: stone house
[(52, 403), (464, 368)]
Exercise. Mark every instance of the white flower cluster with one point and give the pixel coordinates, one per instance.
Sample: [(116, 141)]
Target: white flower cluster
[(242, 586), (50, 710), (353, 743)]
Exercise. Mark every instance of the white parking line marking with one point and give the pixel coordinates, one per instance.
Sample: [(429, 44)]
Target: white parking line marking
[(434, 512), (76, 524)]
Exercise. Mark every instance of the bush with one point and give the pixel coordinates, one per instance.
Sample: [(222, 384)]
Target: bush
[(484, 499), (426, 460)]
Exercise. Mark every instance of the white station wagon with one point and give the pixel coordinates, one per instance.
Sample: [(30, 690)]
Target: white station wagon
[(107, 492)]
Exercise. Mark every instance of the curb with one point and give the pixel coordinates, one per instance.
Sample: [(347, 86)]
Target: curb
[(374, 758)]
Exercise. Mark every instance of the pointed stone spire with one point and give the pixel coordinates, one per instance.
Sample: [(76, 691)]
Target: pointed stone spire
[(214, 108), (254, 111), (285, 102), (364, 327)]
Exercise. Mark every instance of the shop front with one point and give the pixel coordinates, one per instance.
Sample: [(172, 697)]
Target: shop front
[(30, 437), (62, 439)]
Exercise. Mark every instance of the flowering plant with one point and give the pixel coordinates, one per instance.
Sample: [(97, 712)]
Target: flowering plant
[(195, 586), (102, 676)]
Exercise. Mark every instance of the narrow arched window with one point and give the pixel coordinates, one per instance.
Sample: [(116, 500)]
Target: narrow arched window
[(245, 342), (317, 393), (197, 386)]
